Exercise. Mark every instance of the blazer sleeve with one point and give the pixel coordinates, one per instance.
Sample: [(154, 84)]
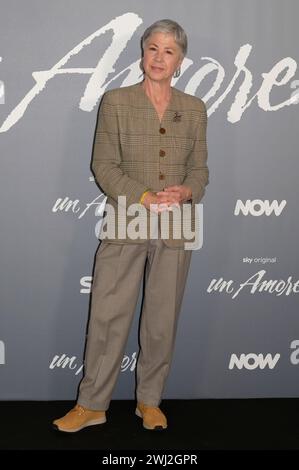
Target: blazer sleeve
[(107, 156), (197, 177)]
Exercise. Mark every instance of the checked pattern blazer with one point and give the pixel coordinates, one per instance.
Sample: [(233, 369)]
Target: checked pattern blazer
[(134, 151)]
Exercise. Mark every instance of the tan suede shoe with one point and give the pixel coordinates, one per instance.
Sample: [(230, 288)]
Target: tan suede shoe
[(152, 416), (79, 418)]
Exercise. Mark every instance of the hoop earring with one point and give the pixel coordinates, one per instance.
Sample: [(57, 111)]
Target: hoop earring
[(177, 73)]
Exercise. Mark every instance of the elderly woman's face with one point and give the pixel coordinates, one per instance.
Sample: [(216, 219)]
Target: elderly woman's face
[(161, 56)]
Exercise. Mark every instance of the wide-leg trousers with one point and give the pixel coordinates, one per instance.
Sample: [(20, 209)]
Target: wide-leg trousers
[(118, 274)]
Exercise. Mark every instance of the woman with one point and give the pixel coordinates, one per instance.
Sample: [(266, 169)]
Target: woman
[(150, 148)]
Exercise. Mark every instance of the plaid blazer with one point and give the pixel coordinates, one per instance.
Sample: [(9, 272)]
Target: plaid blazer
[(134, 151)]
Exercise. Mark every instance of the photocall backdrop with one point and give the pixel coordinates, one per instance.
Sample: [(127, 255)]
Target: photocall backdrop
[(238, 333)]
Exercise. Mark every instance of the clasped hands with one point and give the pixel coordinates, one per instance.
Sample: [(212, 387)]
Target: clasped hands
[(171, 197)]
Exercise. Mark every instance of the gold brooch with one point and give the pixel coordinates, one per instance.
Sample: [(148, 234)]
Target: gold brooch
[(177, 117)]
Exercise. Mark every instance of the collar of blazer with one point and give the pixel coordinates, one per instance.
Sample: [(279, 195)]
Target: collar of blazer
[(171, 109)]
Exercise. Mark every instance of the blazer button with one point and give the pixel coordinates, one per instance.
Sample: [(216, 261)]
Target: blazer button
[(161, 176), (162, 130), (162, 153)]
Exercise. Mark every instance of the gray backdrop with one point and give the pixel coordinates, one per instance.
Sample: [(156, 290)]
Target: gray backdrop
[(239, 332)]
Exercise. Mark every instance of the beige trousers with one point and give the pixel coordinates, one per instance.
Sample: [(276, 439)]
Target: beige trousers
[(118, 274)]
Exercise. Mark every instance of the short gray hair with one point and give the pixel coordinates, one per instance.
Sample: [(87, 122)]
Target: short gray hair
[(168, 27)]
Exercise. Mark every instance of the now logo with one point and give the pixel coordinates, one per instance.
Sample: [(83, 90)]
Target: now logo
[(257, 207), (253, 361)]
